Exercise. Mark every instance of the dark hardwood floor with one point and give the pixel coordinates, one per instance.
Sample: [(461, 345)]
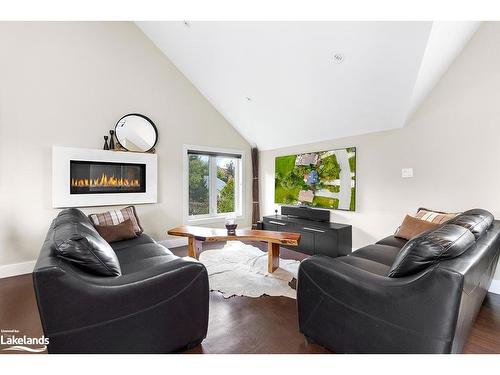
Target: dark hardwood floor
[(239, 324), (265, 325)]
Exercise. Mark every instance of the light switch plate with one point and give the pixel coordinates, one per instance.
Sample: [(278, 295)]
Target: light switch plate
[(407, 172)]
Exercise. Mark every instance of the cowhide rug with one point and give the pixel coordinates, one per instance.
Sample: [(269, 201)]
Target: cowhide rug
[(239, 269)]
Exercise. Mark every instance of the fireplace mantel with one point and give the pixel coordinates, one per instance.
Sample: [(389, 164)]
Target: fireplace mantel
[(64, 196)]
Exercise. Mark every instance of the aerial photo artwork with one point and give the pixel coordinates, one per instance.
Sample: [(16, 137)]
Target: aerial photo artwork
[(324, 179)]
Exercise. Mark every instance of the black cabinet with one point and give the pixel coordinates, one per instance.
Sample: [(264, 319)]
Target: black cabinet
[(325, 238), (306, 244)]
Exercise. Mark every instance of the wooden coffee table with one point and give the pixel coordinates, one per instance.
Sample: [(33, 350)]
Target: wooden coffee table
[(197, 235)]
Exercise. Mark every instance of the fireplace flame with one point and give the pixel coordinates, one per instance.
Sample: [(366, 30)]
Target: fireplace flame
[(105, 181)]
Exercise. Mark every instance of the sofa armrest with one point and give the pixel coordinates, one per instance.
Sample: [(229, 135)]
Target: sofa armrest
[(70, 299), (421, 309)]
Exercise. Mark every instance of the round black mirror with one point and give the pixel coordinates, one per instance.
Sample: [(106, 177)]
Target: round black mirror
[(136, 132)]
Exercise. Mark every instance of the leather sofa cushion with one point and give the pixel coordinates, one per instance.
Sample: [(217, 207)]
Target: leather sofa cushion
[(71, 214), (365, 264), (81, 245), (139, 257), (378, 253), (476, 220), (446, 242), (147, 263), (139, 252), (139, 240), (393, 241)]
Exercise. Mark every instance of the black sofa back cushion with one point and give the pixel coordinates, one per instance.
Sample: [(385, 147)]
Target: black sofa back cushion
[(446, 242), (70, 214), (76, 241), (476, 220)]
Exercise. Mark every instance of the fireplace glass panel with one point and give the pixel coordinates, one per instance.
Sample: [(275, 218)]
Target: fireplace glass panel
[(91, 177)]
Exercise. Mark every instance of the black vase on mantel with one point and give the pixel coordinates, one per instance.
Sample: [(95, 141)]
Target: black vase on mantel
[(106, 146), (111, 139)]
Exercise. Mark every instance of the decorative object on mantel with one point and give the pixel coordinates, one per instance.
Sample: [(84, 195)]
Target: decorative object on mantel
[(136, 132), (105, 147), (111, 139)]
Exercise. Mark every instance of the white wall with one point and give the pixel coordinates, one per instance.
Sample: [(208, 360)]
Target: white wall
[(67, 84), (452, 143)]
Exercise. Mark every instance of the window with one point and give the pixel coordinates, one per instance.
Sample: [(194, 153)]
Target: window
[(214, 187)]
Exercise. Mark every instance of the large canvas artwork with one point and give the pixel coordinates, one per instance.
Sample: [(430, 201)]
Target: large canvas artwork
[(324, 179)]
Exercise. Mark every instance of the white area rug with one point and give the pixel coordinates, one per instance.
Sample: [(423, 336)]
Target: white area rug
[(241, 270)]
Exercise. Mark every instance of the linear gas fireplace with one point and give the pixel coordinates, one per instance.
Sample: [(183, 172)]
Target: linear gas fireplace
[(84, 177), (92, 177)]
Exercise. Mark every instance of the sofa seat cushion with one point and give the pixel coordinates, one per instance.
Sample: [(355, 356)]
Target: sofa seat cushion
[(138, 253), (379, 253), (147, 263), (139, 240), (393, 241), (141, 253), (365, 264)]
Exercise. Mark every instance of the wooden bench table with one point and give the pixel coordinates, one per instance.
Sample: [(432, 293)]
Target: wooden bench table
[(197, 235)]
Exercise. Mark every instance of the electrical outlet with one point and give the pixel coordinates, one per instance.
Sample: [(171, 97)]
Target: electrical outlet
[(407, 172)]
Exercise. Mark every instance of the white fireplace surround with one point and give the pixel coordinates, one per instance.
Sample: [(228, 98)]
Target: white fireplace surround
[(61, 197)]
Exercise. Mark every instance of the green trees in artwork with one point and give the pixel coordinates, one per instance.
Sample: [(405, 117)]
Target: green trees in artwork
[(330, 168), (295, 178)]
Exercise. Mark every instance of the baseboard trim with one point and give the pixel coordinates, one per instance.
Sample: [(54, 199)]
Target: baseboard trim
[(16, 269), (495, 287), (175, 242)]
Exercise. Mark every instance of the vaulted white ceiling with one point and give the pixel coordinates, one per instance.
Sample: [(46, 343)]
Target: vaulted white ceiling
[(279, 85), (446, 41)]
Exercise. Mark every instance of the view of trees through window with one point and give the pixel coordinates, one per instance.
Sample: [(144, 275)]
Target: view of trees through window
[(199, 184), (199, 199), (225, 185)]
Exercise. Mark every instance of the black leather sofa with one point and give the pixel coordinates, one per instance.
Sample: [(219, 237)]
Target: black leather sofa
[(358, 304), (159, 303)]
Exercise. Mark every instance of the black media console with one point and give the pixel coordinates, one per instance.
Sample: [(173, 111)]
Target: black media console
[(317, 237)]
